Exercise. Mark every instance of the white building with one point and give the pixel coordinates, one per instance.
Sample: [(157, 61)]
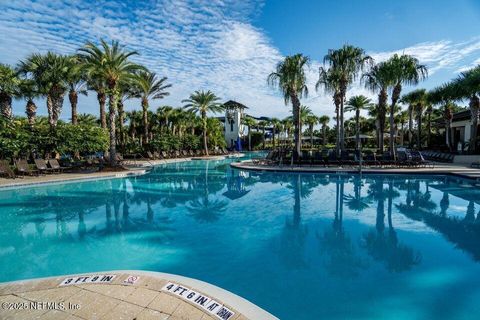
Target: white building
[(234, 129), (461, 128)]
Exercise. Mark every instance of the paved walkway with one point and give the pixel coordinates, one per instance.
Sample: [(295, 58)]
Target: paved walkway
[(120, 295), (440, 168)]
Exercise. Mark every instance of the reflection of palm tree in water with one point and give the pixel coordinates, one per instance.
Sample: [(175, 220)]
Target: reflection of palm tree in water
[(203, 208), (357, 202), (444, 204), (470, 215), (294, 234), (395, 255), (343, 261)]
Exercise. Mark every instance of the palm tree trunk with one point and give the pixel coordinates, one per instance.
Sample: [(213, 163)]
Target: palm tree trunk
[(429, 128), (311, 136), (448, 126), (382, 109), (419, 122), (297, 121), (337, 129), (249, 139), (56, 93), (73, 97), (395, 96), (263, 138), (6, 105), (50, 109), (112, 104), (410, 126), (121, 117), (324, 133), (145, 119), (205, 145), (101, 97), (342, 122), (273, 136), (31, 111), (474, 110), (357, 128)]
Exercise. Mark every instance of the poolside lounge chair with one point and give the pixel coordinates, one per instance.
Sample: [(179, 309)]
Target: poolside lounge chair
[(332, 159), (55, 165), (150, 155), (22, 167), (184, 153), (42, 166), (317, 159), (6, 170)]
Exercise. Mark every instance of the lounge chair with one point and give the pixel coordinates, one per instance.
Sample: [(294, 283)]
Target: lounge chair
[(150, 155), (42, 166), (6, 170), (317, 159), (56, 166), (332, 159), (184, 153), (22, 167)]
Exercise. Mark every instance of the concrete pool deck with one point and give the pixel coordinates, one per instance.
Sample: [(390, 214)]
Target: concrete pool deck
[(461, 171), (129, 294)]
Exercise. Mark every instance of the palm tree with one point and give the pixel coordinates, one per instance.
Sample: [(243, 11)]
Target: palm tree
[(29, 91), (347, 62), (290, 78), (76, 83), (419, 99), (203, 102), (378, 80), (468, 85), (324, 120), (95, 83), (444, 95), (87, 119), (275, 123), (249, 122), (404, 70), (312, 121), (9, 83), (149, 86), (262, 124), (402, 118), (330, 80), (50, 72), (357, 104), (109, 63)]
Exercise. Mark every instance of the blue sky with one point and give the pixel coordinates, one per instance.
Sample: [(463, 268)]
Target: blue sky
[(230, 46)]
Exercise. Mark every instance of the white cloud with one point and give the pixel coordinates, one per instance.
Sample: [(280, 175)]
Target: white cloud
[(197, 44)]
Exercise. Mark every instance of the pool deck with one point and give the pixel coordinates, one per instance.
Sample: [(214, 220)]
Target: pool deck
[(130, 294), (439, 169)]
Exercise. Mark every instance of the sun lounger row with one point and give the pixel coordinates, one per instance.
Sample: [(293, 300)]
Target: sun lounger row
[(160, 155), (329, 158), (438, 156), (23, 168)]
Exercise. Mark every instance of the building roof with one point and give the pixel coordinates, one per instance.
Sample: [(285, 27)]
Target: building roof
[(457, 116), (230, 104)]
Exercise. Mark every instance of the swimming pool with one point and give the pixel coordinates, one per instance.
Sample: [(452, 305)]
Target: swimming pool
[(301, 246)]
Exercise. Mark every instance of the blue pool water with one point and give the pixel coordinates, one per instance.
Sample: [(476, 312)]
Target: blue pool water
[(301, 246)]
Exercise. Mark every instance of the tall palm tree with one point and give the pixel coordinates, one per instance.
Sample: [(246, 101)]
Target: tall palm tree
[(165, 113), (76, 83), (347, 62), (262, 124), (9, 83), (275, 123), (312, 121), (29, 91), (250, 123), (357, 104), (149, 86), (378, 79), (202, 102), (290, 78), (444, 95), (50, 71), (329, 79), (419, 99), (404, 70), (402, 118), (111, 64), (97, 84), (324, 120), (468, 85)]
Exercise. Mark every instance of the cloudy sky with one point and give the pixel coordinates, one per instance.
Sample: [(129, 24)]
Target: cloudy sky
[(231, 46)]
